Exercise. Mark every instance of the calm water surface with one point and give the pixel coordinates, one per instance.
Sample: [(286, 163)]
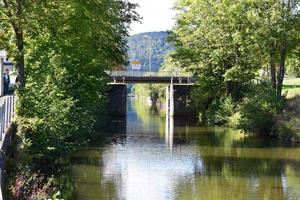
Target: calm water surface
[(147, 157)]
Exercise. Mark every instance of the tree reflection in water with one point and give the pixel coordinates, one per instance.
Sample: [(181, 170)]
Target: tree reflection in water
[(166, 158)]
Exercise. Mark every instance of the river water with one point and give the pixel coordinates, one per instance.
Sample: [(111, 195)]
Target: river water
[(147, 157)]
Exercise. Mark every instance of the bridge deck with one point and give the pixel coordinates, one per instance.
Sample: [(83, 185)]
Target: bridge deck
[(151, 77)]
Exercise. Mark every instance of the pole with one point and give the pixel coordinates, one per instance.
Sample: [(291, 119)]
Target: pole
[(171, 99), (150, 55), (167, 101), (149, 52)]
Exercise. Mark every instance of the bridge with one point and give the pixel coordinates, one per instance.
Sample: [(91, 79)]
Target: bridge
[(161, 77), (178, 89)]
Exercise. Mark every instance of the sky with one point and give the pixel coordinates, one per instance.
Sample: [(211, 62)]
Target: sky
[(157, 15)]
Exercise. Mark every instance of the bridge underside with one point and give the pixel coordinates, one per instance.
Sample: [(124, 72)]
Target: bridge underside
[(181, 98)]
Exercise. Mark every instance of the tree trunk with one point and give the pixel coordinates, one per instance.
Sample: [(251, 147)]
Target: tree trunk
[(273, 66), (281, 71), (14, 11), (20, 63), (20, 60)]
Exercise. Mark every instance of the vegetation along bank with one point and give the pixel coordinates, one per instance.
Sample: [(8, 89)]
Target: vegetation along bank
[(241, 52), (66, 46)]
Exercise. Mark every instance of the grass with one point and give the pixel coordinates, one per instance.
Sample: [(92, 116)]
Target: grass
[(291, 87)]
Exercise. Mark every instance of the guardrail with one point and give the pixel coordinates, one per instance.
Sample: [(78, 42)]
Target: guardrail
[(149, 74), (7, 113)]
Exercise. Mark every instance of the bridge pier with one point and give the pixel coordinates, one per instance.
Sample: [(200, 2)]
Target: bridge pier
[(117, 100), (178, 101), (170, 100)]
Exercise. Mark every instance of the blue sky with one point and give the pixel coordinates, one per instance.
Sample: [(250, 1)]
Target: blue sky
[(158, 15)]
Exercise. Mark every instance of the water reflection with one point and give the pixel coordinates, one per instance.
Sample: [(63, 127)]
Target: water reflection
[(166, 158), (169, 134)]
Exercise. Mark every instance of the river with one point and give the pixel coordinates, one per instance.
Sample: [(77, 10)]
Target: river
[(142, 158)]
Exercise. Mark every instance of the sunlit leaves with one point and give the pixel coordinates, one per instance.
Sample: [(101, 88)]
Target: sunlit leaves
[(69, 45)]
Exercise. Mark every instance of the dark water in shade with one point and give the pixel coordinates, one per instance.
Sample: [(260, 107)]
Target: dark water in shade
[(143, 159)]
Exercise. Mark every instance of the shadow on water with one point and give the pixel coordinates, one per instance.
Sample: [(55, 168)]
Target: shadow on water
[(149, 156)]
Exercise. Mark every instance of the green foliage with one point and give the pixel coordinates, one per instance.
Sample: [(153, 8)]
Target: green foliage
[(288, 130), (258, 110), (169, 64), (29, 185), (225, 44), (213, 40), (155, 92), (159, 90), (234, 120), (293, 67), (288, 124), (220, 111), (66, 54)]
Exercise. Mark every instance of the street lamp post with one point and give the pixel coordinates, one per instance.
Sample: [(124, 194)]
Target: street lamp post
[(149, 52)]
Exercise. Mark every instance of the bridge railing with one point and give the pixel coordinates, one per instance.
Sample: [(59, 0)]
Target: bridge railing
[(149, 74), (7, 112)]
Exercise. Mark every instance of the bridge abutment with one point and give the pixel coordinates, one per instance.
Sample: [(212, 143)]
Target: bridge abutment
[(117, 100), (178, 101)]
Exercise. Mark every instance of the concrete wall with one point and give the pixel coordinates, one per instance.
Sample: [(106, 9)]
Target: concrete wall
[(182, 101), (117, 97)]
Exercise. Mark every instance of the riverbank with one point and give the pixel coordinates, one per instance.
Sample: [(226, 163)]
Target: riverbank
[(186, 162), (288, 123), (287, 126)]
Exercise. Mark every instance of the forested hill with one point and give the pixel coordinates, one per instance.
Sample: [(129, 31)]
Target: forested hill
[(140, 45)]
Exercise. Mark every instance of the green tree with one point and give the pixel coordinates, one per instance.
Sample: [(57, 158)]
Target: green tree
[(67, 53), (293, 64), (213, 40), (277, 29), (227, 43), (13, 15)]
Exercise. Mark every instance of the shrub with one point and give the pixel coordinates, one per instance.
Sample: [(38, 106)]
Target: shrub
[(220, 111), (234, 120), (288, 124), (31, 186), (53, 120), (288, 130), (258, 110)]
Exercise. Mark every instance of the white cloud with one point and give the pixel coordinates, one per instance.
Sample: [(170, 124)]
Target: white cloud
[(157, 15)]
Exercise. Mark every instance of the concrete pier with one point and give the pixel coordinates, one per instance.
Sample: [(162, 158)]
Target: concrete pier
[(117, 100), (178, 101), (170, 100)]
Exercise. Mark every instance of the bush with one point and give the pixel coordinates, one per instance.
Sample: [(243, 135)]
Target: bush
[(234, 120), (288, 130), (288, 124), (293, 67), (220, 111), (258, 110), (31, 186)]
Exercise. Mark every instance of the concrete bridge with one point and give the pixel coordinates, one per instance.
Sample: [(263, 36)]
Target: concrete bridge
[(178, 89), (162, 77)]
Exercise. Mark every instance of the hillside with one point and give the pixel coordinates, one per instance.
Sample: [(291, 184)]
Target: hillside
[(139, 49)]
